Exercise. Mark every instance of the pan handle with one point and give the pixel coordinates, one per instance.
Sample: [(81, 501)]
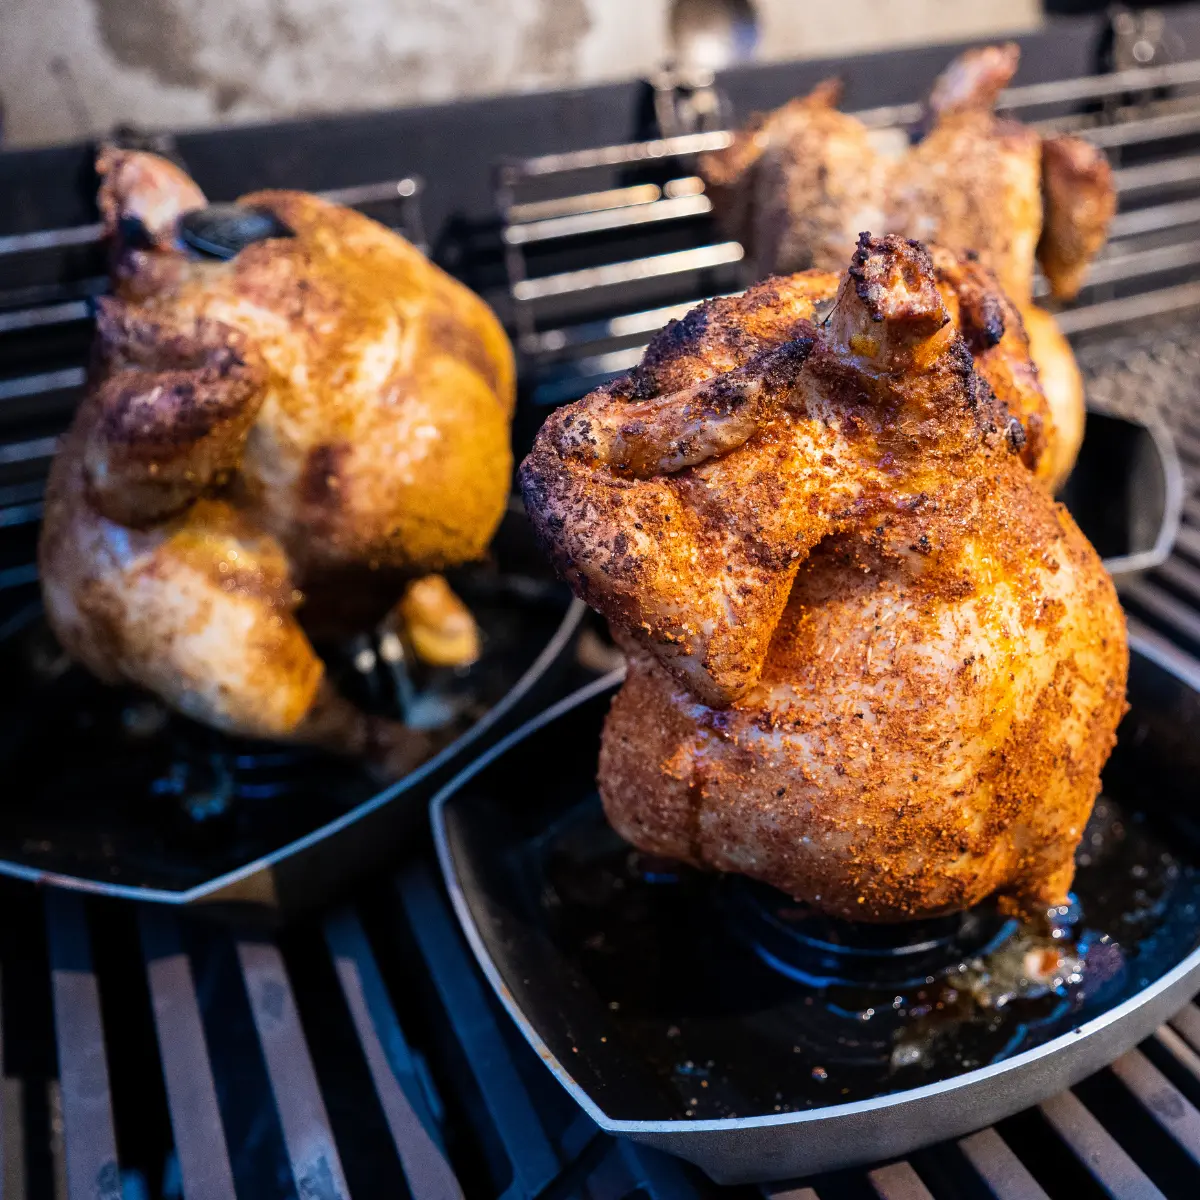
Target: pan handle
[(1126, 492)]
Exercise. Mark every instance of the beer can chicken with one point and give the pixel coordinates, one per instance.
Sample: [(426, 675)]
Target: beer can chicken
[(797, 185), (313, 401), (870, 660)]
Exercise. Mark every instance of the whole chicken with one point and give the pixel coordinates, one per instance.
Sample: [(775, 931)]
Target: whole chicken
[(323, 402), (797, 185), (871, 661)]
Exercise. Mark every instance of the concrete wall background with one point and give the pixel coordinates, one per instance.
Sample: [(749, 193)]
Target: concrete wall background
[(70, 68)]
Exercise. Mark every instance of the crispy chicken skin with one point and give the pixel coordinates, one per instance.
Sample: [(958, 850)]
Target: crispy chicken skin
[(698, 564), (318, 403), (871, 662), (796, 186), (1001, 346)]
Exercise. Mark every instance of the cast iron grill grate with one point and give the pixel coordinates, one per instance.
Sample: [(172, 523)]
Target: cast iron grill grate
[(362, 1055)]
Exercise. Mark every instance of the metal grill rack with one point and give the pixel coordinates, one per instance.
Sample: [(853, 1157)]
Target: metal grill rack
[(149, 1056), (604, 246)]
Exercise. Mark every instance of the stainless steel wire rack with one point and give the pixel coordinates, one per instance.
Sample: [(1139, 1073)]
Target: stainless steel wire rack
[(603, 246)]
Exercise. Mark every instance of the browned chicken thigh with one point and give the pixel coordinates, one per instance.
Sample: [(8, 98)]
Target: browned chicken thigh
[(871, 662), (797, 185), (324, 400)]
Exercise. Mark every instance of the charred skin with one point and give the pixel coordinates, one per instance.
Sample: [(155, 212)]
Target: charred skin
[(908, 704), (998, 337)]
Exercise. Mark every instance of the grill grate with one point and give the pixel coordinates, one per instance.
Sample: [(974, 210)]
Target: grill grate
[(516, 1139), (361, 1073)]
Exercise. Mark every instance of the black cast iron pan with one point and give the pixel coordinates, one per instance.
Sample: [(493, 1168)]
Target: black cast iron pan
[(713, 1018), (669, 1006), (109, 793)]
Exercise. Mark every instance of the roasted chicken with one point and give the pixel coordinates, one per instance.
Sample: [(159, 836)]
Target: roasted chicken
[(323, 402), (871, 662), (798, 185)]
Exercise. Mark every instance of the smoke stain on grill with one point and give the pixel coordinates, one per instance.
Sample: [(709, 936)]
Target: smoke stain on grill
[(554, 37), (107, 1184), (1167, 1104), (322, 56), (158, 36), (317, 1183), (151, 35)]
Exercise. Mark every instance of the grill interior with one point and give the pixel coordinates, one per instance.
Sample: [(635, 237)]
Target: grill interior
[(145, 1054)]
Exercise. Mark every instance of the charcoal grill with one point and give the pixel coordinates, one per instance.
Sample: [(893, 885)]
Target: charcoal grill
[(149, 1053)]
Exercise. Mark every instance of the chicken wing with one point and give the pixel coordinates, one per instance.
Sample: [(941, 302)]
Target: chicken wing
[(871, 662), (1079, 200), (1062, 383)]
